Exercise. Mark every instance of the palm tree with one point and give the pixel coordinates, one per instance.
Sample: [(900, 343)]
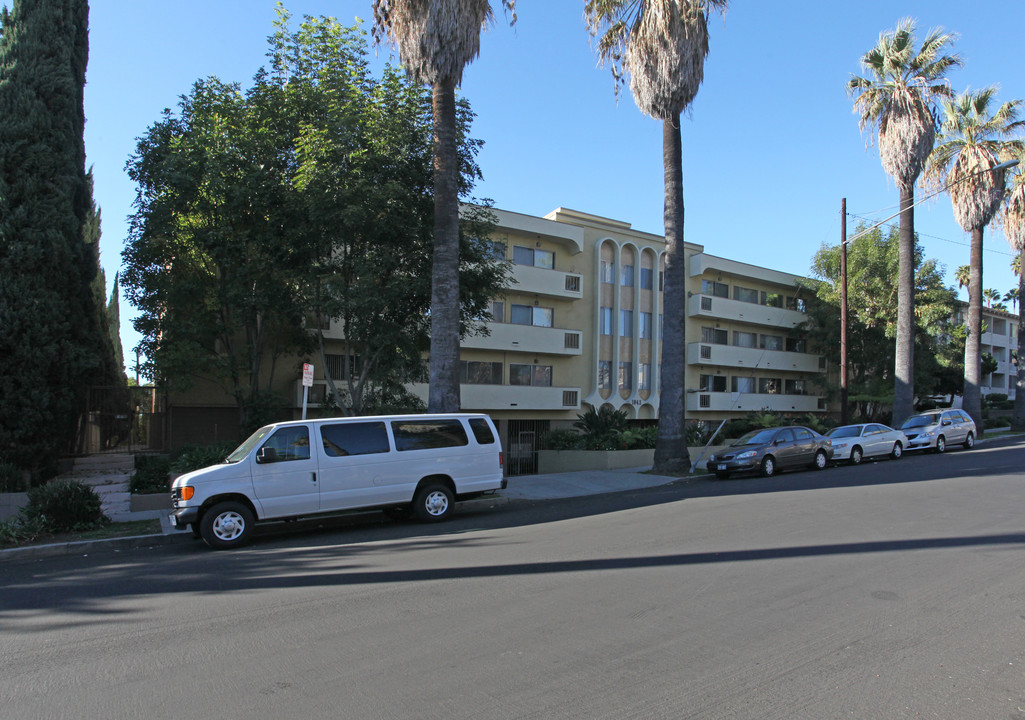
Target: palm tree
[(1012, 296), (1014, 230), (990, 294), (963, 276), (972, 142), (898, 97), (662, 45), (436, 39)]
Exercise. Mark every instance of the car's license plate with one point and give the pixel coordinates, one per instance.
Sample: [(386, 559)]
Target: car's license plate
[(722, 466)]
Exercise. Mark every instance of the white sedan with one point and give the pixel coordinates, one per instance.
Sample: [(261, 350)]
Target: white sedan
[(854, 442)]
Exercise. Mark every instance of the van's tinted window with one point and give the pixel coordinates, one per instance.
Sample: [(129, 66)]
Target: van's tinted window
[(482, 431), (290, 443), (426, 434), (354, 438)]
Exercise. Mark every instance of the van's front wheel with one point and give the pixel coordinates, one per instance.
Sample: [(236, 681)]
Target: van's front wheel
[(227, 525), (433, 502)]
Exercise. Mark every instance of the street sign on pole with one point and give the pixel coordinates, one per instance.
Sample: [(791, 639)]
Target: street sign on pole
[(307, 384)]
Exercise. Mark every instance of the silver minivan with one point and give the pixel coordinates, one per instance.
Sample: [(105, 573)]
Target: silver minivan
[(937, 429), (418, 464)]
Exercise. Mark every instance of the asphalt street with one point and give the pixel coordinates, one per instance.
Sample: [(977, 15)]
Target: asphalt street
[(891, 590)]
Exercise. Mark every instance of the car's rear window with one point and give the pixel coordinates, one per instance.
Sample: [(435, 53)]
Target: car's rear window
[(482, 431), (428, 434)]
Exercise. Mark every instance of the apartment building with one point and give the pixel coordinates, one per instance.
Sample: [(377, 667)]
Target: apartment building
[(999, 339), (580, 327)]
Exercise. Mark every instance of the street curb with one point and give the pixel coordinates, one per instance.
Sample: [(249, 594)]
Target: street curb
[(84, 547)]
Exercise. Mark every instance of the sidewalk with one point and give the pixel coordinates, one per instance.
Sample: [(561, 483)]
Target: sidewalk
[(521, 488)]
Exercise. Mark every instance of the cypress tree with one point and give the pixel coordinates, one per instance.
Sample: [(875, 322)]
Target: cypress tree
[(49, 349)]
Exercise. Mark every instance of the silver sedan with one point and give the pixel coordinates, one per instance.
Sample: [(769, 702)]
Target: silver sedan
[(854, 442)]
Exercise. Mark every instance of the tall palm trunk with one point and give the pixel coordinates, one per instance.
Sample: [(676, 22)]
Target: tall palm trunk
[(1019, 388), (444, 360), (904, 365), (972, 356), (671, 453)]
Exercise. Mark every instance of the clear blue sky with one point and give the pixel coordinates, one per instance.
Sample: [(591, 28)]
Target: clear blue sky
[(770, 148)]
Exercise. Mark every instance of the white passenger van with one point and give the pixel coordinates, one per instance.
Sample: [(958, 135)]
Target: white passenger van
[(399, 463)]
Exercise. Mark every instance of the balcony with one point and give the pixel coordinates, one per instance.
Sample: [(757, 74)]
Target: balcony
[(717, 308), (508, 337), (482, 398), (546, 283), (751, 358), (747, 402)]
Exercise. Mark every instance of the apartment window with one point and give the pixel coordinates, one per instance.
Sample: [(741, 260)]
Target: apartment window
[(714, 336), (742, 384), (534, 257), (497, 311), (626, 323), (769, 386), (797, 345), (626, 380), (644, 376), (772, 299), (795, 387), (744, 294), (712, 383), (497, 250), (646, 325), (745, 339), (335, 366), (605, 320), (646, 278), (604, 374), (626, 276), (532, 315), (771, 342), (533, 375), (718, 289), (798, 304), (608, 271), (472, 372), (661, 280)]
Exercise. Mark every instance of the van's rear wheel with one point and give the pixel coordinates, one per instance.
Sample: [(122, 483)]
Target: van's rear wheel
[(227, 525), (433, 502)]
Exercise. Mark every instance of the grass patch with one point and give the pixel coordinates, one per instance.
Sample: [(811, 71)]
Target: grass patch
[(106, 532)]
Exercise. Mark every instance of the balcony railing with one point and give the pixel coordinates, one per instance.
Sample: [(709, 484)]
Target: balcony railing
[(510, 397), (751, 358), (509, 337), (747, 402), (545, 282), (726, 309)]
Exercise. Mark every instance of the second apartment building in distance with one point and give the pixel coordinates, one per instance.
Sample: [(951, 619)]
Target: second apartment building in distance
[(581, 326)]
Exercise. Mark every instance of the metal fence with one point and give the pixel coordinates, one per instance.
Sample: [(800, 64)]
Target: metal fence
[(121, 420)]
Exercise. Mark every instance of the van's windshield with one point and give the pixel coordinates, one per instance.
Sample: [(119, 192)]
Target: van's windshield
[(252, 441)]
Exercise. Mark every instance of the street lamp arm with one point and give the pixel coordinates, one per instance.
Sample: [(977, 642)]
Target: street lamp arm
[(1002, 166)]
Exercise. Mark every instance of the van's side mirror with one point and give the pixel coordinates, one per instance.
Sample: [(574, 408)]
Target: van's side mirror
[(267, 455)]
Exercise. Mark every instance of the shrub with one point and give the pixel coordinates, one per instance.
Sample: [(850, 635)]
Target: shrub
[(19, 530), (642, 438), (63, 505), (194, 457), (151, 474), (564, 440)]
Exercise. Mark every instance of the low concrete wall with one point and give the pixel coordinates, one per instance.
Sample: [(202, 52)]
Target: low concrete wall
[(10, 503), (560, 461), (150, 501)]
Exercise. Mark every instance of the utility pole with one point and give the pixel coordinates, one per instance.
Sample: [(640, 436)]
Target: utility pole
[(843, 311)]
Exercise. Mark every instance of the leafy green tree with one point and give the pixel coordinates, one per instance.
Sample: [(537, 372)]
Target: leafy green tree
[(963, 276), (52, 344), (662, 45), (436, 39), (975, 136), (1012, 296), (990, 294), (897, 96), (264, 214), (873, 302)]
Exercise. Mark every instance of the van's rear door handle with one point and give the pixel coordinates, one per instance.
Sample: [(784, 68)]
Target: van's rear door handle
[(314, 476)]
